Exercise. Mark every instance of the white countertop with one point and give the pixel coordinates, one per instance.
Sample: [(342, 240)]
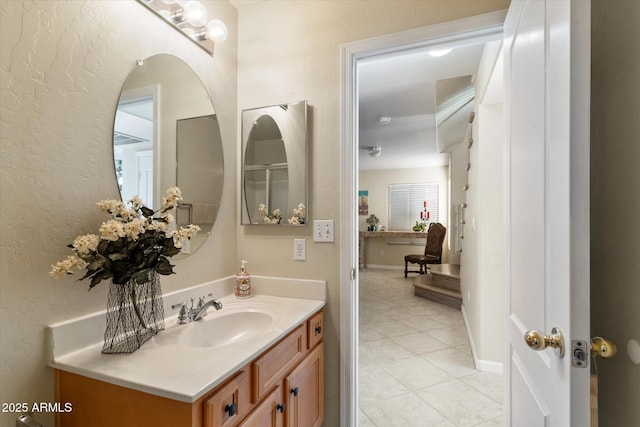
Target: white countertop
[(164, 366)]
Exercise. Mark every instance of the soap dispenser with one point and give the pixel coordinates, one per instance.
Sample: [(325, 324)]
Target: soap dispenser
[(243, 282)]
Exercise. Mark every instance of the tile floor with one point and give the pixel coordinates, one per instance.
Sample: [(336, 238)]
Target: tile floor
[(415, 362)]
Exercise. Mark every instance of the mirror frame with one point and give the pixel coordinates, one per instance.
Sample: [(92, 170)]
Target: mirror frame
[(297, 151)]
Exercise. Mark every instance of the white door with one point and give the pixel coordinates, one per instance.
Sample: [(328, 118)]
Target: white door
[(547, 83)]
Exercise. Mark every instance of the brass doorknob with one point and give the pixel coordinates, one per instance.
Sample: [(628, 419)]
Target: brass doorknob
[(539, 341), (603, 347)]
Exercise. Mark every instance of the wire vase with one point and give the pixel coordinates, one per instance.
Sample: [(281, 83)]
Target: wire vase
[(135, 314)]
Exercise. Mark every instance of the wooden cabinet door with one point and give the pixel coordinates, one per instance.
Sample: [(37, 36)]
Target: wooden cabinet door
[(304, 391), (269, 413)]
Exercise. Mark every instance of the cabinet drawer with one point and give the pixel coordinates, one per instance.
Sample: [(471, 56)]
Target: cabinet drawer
[(315, 332), (269, 369), (227, 406)]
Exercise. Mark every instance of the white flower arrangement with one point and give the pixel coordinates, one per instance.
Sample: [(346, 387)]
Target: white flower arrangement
[(130, 245)]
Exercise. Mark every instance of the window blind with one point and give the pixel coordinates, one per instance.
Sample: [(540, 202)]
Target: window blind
[(406, 201)]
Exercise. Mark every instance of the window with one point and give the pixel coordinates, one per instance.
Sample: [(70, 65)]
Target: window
[(406, 201)]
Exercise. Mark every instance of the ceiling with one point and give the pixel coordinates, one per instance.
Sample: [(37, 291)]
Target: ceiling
[(402, 86)]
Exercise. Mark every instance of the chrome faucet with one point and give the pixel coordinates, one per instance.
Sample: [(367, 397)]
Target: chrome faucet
[(188, 315), (199, 312)]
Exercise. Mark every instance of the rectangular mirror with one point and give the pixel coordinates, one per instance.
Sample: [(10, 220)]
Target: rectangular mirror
[(274, 165)]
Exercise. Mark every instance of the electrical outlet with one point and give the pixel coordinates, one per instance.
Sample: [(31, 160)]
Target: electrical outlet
[(299, 249)]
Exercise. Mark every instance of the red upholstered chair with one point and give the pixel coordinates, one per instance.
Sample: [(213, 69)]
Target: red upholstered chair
[(432, 250)]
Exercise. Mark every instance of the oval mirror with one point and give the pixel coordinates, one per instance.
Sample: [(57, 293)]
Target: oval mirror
[(166, 134), (274, 167)]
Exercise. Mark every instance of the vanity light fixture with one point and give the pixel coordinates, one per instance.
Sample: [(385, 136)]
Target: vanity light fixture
[(190, 18)]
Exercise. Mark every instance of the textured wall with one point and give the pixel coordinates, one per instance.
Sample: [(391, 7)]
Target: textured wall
[(288, 51), (62, 66)]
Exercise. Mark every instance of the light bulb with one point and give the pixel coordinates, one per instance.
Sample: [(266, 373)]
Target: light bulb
[(217, 31), (194, 13)]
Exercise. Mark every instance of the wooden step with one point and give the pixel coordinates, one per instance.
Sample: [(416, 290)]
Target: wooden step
[(437, 294), (446, 276), (441, 284)]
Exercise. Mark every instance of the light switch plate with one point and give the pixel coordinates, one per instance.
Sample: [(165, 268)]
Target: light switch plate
[(323, 230)]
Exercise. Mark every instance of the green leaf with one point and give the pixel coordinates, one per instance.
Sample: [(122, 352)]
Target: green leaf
[(89, 273), (119, 267), (117, 256), (137, 257), (169, 247), (146, 211), (118, 245), (152, 258), (164, 267), (103, 246), (171, 251), (96, 279), (96, 263), (132, 245), (141, 276)]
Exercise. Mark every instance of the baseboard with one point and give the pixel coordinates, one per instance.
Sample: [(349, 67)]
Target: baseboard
[(488, 366), (481, 365), (385, 267)]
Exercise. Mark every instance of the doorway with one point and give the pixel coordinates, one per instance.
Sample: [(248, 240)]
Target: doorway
[(485, 27)]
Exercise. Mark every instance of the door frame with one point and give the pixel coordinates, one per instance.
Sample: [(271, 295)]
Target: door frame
[(451, 33)]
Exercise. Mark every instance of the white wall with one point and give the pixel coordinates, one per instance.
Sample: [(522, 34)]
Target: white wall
[(458, 178), (379, 253), (490, 255), (482, 257), (62, 67)]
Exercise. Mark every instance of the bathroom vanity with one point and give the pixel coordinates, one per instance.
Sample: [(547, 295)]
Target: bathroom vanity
[(181, 378)]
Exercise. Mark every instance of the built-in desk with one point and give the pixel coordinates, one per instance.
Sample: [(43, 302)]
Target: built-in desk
[(364, 235)]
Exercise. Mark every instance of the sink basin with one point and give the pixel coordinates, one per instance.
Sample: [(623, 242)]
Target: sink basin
[(226, 329), (235, 324)]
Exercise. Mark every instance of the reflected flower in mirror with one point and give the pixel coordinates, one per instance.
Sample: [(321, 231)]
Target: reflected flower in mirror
[(267, 218), (298, 215)]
